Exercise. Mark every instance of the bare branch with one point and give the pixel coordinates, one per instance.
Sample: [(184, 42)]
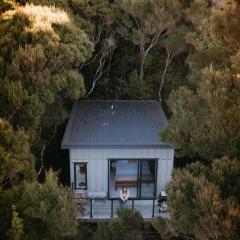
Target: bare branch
[(98, 35), (106, 54), (89, 62), (42, 167), (94, 84), (152, 43), (168, 61)]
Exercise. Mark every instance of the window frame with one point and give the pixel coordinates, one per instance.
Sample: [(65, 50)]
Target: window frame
[(140, 177), (75, 182), (139, 160)]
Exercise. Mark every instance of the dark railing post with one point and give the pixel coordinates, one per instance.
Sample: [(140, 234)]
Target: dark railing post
[(91, 208), (111, 208), (153, 208), (72, 185), (132, 205)]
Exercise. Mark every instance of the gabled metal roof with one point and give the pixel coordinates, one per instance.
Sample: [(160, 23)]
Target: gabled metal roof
[(115, 123)]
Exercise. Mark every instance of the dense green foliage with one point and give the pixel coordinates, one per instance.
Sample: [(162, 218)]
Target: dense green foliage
[(16, 231), (16, 159), (126, 227), (185, 53), (204, 202), (205, 114), (40, 46), (203, 199), (48, 210)]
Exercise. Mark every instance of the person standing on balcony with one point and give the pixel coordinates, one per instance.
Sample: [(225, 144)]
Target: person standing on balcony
[(124, 195)]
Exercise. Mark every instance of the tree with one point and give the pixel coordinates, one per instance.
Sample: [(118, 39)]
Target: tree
[(213, 85), (166, 232), (40, 49), (197, 203), (174, 45), (102, 232), (16, 232), (97, 18), (16, 159), (126, 226), (136, 89), (205, 123), (48, 210), (146, 23), (226, 174), (214, 36), (40, 45), (8, 198)]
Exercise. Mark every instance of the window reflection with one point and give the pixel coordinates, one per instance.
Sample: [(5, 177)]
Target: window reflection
[(137, 175), (80, 170)]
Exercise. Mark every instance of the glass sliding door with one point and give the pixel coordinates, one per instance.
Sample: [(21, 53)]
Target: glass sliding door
[(147, 180), (138, 175), (80, 175), (123, 173)]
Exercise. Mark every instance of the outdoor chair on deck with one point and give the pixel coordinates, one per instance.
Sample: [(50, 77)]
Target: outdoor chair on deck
[(81, 201)]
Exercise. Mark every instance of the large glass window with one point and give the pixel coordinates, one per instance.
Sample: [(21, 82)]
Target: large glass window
[(137, 175), (80, 175), (147, 178), (123, 173)]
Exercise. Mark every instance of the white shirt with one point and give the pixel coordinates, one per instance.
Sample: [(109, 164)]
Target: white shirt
[(124, 195)]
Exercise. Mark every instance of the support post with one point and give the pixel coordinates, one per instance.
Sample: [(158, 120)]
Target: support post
[(91, 208), (153, 208), (132, 205), (111, 208)]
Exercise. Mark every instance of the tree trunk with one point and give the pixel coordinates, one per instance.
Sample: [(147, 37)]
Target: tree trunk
[(141, 75), (167, 63)]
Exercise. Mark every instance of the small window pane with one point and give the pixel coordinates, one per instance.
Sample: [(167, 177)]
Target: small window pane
[(81, 176)]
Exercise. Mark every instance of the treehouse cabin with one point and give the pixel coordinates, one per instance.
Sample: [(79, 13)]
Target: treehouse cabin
[(114, 144)]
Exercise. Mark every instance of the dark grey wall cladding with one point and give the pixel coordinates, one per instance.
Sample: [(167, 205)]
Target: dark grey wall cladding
[(119, 123)]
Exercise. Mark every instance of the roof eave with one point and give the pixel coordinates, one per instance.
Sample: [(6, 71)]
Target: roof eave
[(79, 146)]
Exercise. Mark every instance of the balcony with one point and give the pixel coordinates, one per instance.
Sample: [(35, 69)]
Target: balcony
[(100, 208)]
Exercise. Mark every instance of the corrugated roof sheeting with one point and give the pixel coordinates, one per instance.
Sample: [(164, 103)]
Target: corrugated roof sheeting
[(119, 123)]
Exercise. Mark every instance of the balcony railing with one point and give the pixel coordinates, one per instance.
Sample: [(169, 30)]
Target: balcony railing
[(101, 208)]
